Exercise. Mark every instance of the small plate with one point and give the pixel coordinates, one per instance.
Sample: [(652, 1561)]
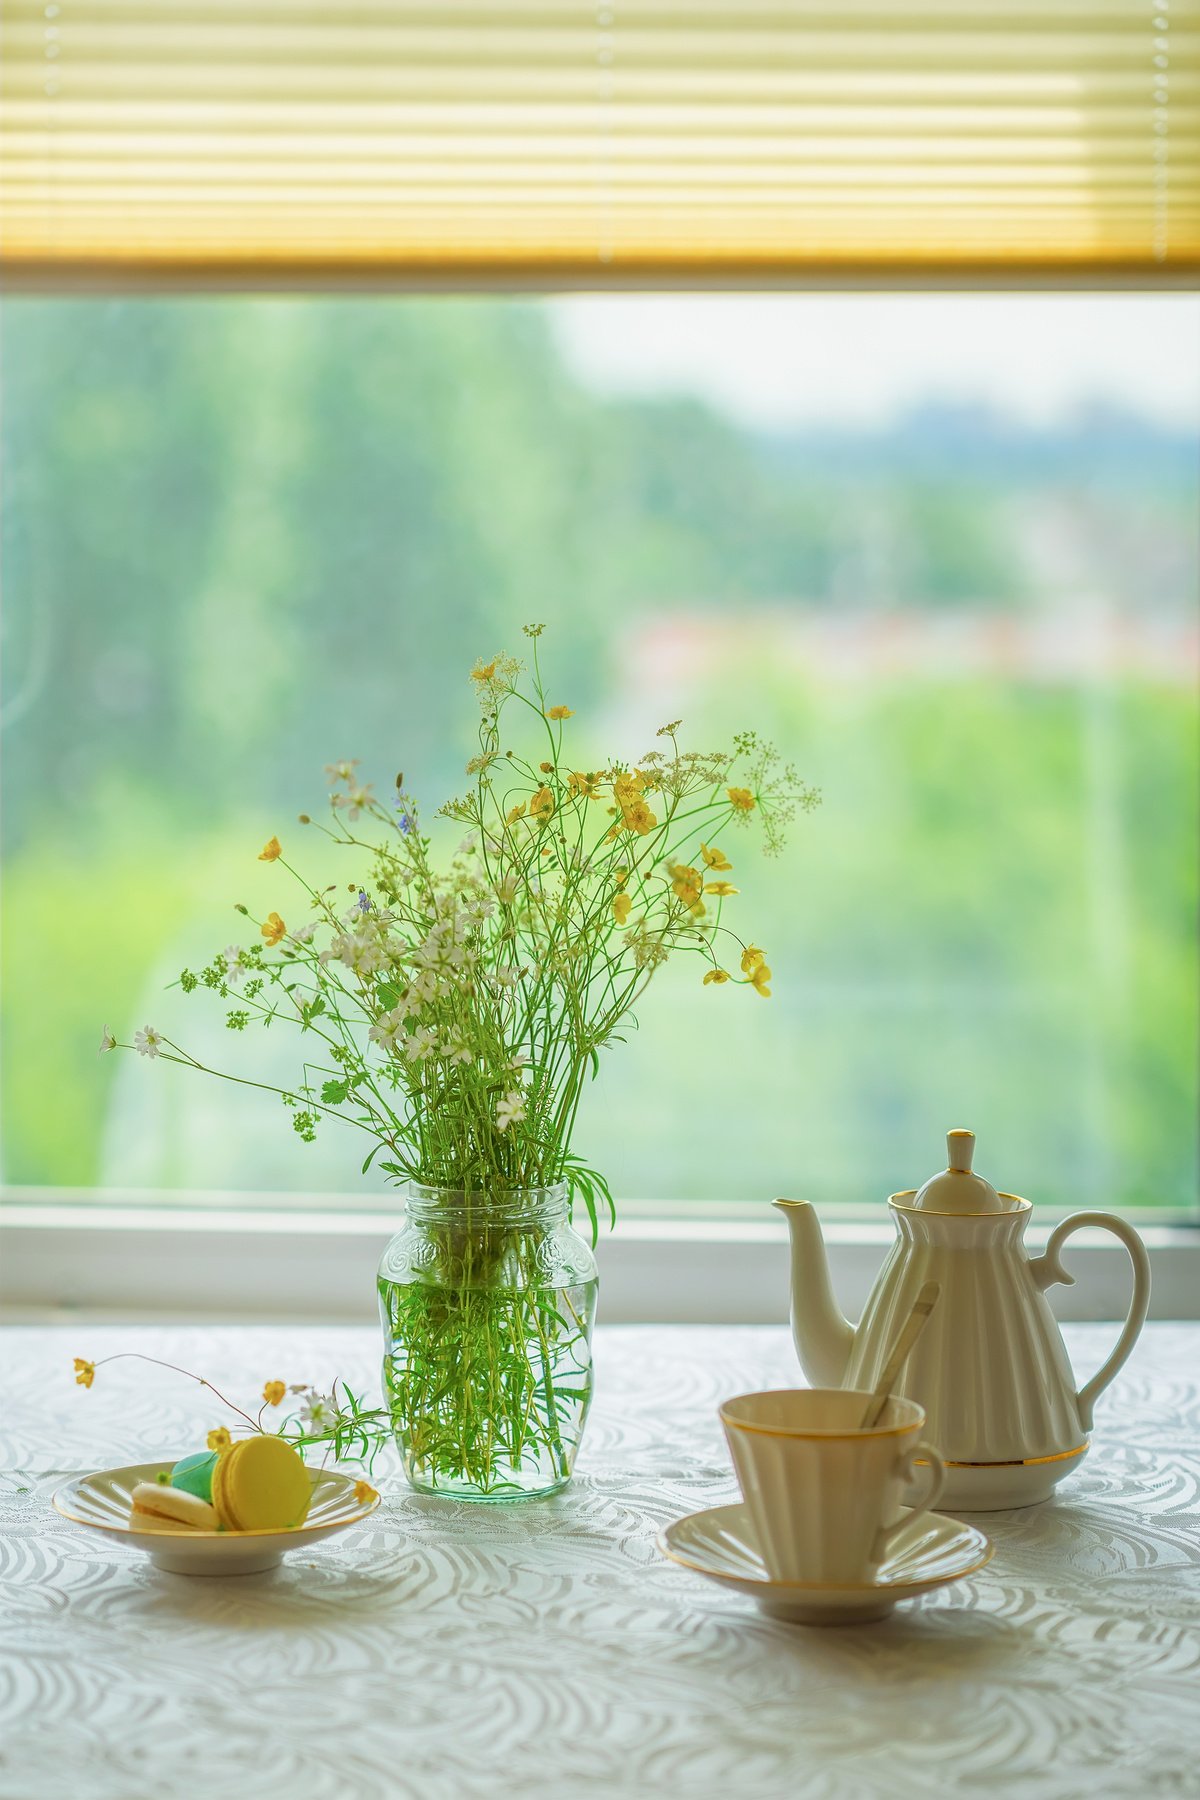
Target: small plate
[(721, 1544), (103, 1502)]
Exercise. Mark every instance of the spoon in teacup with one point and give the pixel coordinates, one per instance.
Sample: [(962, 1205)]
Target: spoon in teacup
[(911, 1330)]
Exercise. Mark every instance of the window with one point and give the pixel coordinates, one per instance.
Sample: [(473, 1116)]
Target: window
[(942, 550)]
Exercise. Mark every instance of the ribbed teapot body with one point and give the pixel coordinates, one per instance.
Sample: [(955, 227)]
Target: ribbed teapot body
[(990, 1367)]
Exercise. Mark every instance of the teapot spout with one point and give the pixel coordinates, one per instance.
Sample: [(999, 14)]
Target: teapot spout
[(823, 1338)]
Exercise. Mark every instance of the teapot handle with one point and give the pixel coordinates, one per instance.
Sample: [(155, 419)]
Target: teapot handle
[(1048, 1269)]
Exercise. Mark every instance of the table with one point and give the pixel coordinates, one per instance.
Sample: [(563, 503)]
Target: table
[(443, 1650)]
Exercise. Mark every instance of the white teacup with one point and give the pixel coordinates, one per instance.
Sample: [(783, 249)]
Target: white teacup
[(822, 1493)]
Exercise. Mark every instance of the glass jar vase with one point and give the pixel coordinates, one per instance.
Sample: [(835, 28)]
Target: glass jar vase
[(487, 1303)]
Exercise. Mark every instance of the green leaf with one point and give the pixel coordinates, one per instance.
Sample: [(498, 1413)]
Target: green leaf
[(333, 1093)]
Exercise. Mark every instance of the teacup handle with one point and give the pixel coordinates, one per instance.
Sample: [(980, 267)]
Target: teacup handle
[(921, 1452), (1048, 1269)]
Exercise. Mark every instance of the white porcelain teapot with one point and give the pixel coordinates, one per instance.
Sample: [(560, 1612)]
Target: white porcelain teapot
[(990, 1367)]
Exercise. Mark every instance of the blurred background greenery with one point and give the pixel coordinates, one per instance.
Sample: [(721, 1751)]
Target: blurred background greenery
[(244, 537)]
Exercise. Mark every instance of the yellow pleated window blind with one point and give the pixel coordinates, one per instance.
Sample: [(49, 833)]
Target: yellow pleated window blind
[(548, 141)]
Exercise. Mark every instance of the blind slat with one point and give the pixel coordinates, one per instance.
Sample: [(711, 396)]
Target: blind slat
[(1060, 136)]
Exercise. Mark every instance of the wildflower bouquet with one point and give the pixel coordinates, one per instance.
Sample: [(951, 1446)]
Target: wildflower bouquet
[(454, 1013)]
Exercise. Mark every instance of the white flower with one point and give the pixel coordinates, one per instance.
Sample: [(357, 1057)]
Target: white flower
[(421, 1043), (233, 968), (318, 1414), (341, 771), (506, 975), (506, 890), (305, 935), (107, 1040), (389, 1029), (147, 1041), (354, 801), (458, 1050), (510, 1110)]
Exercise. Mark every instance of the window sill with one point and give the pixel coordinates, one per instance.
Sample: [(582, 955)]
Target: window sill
[(210, 1263)]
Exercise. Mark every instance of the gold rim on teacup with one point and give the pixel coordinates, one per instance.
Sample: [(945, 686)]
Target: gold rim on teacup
[(830, 1434)]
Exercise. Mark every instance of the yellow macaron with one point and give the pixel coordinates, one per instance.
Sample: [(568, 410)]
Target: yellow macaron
[(261, 1484)]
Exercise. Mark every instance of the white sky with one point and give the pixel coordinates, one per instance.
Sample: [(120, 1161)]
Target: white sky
[(780, 360)]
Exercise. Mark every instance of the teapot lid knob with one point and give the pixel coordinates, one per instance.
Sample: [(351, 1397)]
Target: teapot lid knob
[(958, 1189), (960, 1148)]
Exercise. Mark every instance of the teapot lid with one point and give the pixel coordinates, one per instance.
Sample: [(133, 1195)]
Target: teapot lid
[(958, 1189)]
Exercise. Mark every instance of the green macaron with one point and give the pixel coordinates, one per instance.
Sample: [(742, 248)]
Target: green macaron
[(194, 1474)]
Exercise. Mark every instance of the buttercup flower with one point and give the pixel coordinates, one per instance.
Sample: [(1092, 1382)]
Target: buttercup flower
[(760, 978), (364, 1493), (219, 1440), (742, 799), (85, 1371), (685, 884), (273, 1392), (621, 906), (542, 805), (148, 1042), (484, 671), (515, 813), (560, 712), (722, 889), (586, 787), (715, 859), (107, 1040), (717, 975), (752, 958), (270, 850), (638, 817), (273, 928)]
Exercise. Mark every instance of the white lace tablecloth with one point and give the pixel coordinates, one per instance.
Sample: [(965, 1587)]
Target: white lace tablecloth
[(545, 1650)]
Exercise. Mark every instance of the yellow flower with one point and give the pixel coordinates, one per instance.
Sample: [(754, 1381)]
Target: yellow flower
[(484, 671), (516, 812), (85, 1371), (585, 787), (760, 976), (628, 789), (752, 958), (560, 712), (273, 928), (685, 883), (621, 907), (620, 876), (364, 1493), (270, 850), (542, 805), (717, 975), (273, 1392), (638, 817), (721, 888), (743, 800), (219, 1440), (546, 768), (715, 859)]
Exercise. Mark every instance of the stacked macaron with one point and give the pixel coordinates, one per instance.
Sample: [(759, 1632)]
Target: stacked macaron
[(257, 1484)]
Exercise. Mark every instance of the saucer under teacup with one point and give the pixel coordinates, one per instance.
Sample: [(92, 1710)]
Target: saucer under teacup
[(104, 1502), (721, 1544)]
